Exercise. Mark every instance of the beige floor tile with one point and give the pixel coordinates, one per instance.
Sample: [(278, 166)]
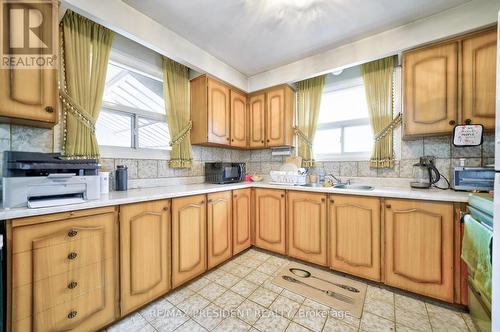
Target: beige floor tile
[(335, 325), (133, 323), (292, 296), (193, 304), (232, 324), (256, 277), (380, 308), (267, 268), (250, 311), (279, 261), (402, 328), (198, 284), (156, 309), (170, 321), (241, 271), (229, 300), (470, 324), (229, 266), (444, 319), (413, 320), (271, 321), (227, 280), (381, 294), (294, 327), (214, 275), (263, 297), (285, 307), (315, 305), (210, 316), (212, 291), (179, 295), (244, 288), (410, 304), (268, 284), (311, 318), (374, 323), (191, 326), (251, 263)]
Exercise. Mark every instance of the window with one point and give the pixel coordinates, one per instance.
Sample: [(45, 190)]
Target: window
[(133, 111), (344, 131)]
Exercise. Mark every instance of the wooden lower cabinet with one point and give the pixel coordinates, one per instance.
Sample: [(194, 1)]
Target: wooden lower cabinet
[(307, 235), (242, 205), (354, 224), (270, 220), (64, 272), (219, 228), (145, 253), (419, 247), (189, 251)]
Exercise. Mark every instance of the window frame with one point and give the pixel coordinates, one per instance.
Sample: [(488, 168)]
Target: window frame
[(342, 155), (134, 152)]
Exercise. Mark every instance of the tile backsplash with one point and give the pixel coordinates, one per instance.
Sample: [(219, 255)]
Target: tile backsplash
[(151, 173)]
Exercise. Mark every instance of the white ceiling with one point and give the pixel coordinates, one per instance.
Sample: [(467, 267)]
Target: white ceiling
[(257, 35)]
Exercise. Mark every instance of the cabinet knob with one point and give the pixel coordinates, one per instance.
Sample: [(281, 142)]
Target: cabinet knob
[(72, 255), (332, 201), (227, 138), (235, 196), (452, 122), (202, 202), (165, 208), (72, 285), (72, 233), (232, 140), (323, 200), (268, 140), (468, 121), (72, 314), (262, 141), (210, 201), (49, 109), (282, 195), (388, 206)]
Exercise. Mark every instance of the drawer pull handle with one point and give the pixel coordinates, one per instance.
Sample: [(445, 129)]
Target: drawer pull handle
[(332, 201), (72, 314), (72, 285), (72, 255), (72, 233), (49, 109), (165, 208), (388, 206)]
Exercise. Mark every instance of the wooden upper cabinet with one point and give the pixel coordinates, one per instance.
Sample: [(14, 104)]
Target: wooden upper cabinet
[(219, 220), (270, 220), (307, 226), (257, 120), (430, 77), (210, 111), (241, 220), (239, 119), (354, 224), (189, 252), (219, 114), (145, 256), (479, 55), (419, 247), (29, 96), (279, 116)]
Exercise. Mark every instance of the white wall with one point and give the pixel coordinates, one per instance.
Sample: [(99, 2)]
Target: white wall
[(469, 16), (125, 20)]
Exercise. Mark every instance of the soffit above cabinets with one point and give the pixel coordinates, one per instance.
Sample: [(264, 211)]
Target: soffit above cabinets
[(258, 35)]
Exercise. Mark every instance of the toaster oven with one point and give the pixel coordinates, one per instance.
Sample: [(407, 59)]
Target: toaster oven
[(473, 178), (224, 172)]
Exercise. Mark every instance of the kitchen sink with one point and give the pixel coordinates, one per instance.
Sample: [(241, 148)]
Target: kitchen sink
[(312, 185), (353, 186)]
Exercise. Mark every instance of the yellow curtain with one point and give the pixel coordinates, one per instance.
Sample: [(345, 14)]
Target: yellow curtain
[(308, 103), (85, 48), (377, 76), (176, 93)]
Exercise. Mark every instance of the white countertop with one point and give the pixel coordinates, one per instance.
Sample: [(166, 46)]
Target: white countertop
[(149, 194)]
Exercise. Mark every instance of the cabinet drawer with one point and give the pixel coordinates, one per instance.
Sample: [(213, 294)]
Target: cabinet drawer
[(55, 290)]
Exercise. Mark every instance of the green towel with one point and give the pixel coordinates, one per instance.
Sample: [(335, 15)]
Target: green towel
[(476, 254)]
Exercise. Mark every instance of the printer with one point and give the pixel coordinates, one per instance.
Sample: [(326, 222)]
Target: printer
[(36, 180)]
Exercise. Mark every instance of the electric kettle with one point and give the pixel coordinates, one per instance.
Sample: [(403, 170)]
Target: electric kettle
[(425, 174)]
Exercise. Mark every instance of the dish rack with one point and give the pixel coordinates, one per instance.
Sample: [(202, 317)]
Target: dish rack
[(286, 177)]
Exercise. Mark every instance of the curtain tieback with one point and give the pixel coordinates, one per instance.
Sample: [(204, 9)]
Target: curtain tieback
[(303, 136), (182, 134), (75, 108), (393, 124)]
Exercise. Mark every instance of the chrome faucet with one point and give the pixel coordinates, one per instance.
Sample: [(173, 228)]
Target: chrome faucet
[(338, 180)]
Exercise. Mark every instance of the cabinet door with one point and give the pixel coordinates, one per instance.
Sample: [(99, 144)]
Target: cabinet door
[(188, 238), (354, 224), (238, 119), (257, 120), (275, 132), (270, 220), (241, 220), (430, 90), (307, 227), (145, 258), (219, 228), (479, 55), (218, 113), (419, 247)]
